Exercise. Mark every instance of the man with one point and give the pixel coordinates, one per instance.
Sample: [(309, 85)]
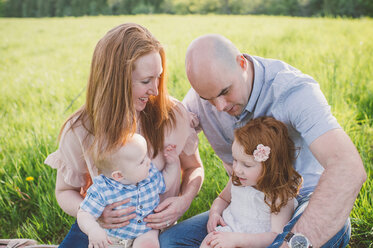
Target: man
[(229, 89)]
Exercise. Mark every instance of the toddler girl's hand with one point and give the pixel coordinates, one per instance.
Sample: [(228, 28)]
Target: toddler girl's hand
[(215, 220), (222, 239), (170, 154)]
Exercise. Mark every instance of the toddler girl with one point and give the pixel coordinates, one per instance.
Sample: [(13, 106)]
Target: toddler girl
[(259, 199)]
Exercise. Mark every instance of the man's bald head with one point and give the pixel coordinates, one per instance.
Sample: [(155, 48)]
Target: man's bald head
[(206, 53), (219, 73)]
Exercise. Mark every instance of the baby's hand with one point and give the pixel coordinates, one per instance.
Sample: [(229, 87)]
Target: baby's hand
[(98, 238), (170, 154), (194, 121)]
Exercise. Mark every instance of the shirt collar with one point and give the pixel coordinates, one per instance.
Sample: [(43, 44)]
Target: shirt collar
[(257, 87), (119, 185)]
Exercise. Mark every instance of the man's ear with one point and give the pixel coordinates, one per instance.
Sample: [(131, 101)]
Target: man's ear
[(117, 175), (241, 61)]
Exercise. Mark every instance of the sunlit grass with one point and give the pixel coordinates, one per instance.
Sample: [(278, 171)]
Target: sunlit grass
[(44, 65)]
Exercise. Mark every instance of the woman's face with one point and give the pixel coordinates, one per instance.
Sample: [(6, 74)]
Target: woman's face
[(145, 79)]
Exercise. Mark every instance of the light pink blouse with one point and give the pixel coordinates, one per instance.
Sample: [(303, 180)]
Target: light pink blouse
[(73, 161)]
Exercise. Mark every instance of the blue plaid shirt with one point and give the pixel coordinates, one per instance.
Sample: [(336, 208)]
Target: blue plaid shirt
[(144, 195)]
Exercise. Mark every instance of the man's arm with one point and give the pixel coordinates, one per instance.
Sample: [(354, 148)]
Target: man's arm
[(339, 185)]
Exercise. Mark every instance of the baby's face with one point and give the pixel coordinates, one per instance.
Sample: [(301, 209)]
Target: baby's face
[(134, 162)]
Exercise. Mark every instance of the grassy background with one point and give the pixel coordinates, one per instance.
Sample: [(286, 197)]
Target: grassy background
[(44, 66)]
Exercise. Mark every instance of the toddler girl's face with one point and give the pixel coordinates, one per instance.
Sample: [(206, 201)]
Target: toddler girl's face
[(244, 166)]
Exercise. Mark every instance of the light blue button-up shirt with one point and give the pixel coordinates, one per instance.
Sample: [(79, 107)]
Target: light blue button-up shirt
[(283, 92)]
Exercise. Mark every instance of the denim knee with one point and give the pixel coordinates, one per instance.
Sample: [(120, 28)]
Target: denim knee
[(75, 238), (188, 233)]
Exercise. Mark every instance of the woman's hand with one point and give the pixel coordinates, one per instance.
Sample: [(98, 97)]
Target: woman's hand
[(167, 213), (215, 220), (111, 218)]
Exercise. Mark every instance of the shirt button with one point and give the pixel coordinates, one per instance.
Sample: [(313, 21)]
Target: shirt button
[(139, 221), (140, 206)]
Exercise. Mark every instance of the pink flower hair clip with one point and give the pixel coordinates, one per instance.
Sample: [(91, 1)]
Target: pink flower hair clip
[(261, 153)]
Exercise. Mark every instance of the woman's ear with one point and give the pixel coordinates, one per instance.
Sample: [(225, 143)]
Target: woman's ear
[(117, 175)]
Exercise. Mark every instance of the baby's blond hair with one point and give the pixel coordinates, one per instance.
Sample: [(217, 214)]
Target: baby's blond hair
[(113, 161)]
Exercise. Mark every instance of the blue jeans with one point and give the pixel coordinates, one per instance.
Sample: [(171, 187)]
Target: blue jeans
[(191, 232), (75, 238)]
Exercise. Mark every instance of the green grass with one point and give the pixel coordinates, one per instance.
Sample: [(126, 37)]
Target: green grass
[(44, 64)]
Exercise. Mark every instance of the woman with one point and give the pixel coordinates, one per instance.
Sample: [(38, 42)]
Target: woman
[(126, 93)]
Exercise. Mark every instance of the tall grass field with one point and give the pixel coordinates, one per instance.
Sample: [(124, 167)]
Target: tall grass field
[(44, 67)]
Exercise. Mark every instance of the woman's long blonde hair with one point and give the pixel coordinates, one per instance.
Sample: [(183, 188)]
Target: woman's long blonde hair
[(279, 180), (109, 113)]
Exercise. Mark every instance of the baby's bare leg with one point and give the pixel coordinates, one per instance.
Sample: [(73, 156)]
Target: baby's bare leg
[(147, 240)]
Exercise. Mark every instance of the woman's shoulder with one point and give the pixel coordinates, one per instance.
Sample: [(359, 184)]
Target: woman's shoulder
[(74, 129)]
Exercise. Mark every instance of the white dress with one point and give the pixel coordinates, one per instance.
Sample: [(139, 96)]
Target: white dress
[(247, 212)]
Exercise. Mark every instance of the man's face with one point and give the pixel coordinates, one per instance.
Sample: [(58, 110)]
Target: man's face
[(225, 87)]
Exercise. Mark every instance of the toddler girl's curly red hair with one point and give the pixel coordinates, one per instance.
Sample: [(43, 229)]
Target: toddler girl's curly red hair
[(279, 180)]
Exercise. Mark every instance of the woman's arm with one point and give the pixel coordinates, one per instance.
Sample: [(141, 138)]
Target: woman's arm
[(172, 208), (67, 196)]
